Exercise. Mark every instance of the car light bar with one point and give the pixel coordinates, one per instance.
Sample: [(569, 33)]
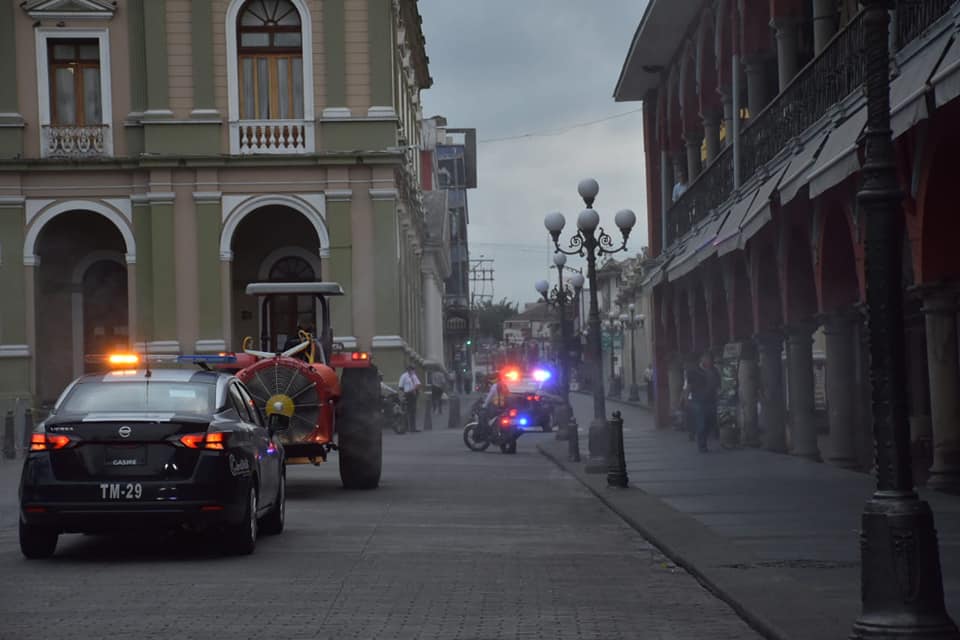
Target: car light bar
[(511, 374), (222, 358), (541, 375)]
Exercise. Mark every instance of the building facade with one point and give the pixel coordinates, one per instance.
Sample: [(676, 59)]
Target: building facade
[(158, 155), (753, 114)]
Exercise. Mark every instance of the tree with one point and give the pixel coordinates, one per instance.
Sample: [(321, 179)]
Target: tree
[(490, 317)]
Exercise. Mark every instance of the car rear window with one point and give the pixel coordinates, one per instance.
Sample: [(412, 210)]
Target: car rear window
[(141, 396), (525, 386)]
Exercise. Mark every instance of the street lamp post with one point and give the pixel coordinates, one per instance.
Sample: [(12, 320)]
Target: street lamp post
[(560, 297), (632, 322), (589, 241), (901, 585)]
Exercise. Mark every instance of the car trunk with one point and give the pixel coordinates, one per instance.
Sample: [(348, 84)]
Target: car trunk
[(125, 449)]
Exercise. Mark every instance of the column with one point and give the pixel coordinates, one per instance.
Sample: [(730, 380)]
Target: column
[(155, 44), (786, 33), (803, 426), (747, 387), (940, 309), (773, 411), (694, 142), (666, 198), (334, 44), (380, 32), (726, 99), (757, 93), (824, 23), (163, 338), (841, 372), (201, 41), (11, 122), (209, 304), (675, 382), (711, 132), (921, 430)]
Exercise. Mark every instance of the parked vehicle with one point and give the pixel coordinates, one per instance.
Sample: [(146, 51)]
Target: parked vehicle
[(393, 411), (502, 430), (153, 448)]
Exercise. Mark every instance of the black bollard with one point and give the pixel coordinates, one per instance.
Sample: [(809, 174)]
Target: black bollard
[(617, 472), (453, 420), (573, 440), (561, 419), (9, 450)]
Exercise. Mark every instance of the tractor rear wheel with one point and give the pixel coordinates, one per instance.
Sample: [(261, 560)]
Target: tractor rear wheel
[(359, 436)]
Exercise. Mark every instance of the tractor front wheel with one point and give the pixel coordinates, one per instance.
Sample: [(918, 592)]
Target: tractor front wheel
[(359, 436)]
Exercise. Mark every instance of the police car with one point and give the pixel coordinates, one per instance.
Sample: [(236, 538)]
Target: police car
[(153, 448)]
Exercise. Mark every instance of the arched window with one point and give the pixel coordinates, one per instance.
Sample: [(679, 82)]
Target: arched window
[(270, 54), (289, 312)]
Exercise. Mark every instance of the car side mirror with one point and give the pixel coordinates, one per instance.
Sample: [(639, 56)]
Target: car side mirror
[(278, 422)]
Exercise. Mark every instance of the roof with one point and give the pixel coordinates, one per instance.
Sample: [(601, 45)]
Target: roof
[(156, 375), (294, 288), (662, 29)]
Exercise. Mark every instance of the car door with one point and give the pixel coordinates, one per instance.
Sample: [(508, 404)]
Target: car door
[(257, 439), (271, 463)]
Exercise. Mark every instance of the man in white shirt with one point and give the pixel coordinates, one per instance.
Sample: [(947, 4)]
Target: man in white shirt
[(409, 386)]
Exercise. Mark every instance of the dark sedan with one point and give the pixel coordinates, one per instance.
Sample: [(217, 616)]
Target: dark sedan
[(152, 449)]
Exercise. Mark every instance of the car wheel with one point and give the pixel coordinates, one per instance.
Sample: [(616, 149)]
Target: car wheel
[(273, 522), (37, 542), (241, 538)]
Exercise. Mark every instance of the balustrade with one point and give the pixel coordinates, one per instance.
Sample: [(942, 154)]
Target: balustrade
[(272, 136), (74, 141)]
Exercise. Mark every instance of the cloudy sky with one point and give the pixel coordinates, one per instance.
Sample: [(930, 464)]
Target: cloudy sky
[(518, 67)]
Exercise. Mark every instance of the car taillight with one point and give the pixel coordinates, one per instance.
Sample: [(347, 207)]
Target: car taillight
[(210, 441), (536, 398), (504, 422), (49, 441), (513, 413)]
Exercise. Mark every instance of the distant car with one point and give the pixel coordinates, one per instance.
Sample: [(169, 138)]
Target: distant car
[(154, 449), (528, 396)]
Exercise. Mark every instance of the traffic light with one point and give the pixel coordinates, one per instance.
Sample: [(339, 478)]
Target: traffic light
[(469, 342)]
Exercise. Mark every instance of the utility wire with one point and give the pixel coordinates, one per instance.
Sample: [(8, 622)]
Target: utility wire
[(561, 130)]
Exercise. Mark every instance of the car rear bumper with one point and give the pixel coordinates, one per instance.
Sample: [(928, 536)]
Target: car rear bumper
[(98, 518)]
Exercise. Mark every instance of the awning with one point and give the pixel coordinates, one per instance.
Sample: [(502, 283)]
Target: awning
[(728, 232), (839, 157), (796, 175), (946, 79), (654, 276), (760, 212), (701, 239), (908, 91)]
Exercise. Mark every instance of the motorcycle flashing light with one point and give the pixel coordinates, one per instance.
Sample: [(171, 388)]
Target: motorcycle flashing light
[(523, 422), (541, 375)]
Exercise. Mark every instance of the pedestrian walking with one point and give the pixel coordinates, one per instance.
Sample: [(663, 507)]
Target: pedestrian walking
[(410, 387), (438, 382), (648, 380), (704, 383)]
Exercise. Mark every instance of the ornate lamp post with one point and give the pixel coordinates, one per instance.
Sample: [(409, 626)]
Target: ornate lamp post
[(591, 242), (562, 295), (632, 322), (901, 584)]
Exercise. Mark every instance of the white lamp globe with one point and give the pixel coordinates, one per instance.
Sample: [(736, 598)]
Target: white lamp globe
[(624, 318), (541, 286), (559, 259), (632, 307), (588, 221), (588, 190), (554, 222), (625, 219)]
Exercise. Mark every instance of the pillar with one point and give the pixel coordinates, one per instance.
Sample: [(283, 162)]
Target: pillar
[(334, 44), (787, 49), (675, 382), (726, 99), (747, 390), (803, 427), (824, 23), (921, 430), (666, 198), (209, 288), (693, 143), (711, 132), (841, 372), (772, 406), (940, 310), (757, 93)]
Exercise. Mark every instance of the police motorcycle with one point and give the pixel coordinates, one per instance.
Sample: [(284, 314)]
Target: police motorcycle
[(393, 411), (501, 429)]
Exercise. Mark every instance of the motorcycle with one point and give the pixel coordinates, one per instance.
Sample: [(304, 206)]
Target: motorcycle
[(393, 411), (502, 430)]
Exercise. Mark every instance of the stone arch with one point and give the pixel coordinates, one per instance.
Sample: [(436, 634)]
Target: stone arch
[(837, 282), (49, 213), (312, 259), (235, 216), (936, 257)]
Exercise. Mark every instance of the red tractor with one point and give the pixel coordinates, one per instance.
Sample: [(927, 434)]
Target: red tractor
[(301, 384)]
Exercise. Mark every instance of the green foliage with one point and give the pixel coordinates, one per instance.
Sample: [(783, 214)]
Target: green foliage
[(490, 317)]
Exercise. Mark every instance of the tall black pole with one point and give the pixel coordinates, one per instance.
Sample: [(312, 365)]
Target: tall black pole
[(565, 412), (597, 439), (901, 584)]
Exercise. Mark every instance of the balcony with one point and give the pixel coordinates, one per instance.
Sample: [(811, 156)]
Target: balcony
[(75, 141), (271, 137), (825, 81)]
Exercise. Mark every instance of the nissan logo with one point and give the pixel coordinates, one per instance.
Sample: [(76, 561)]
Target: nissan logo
[(124, 432)]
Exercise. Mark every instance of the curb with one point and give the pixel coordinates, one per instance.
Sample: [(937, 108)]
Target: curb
[(756, 621)]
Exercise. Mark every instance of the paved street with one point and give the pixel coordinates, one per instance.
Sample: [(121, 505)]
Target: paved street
[(453, 545), (763, 528)]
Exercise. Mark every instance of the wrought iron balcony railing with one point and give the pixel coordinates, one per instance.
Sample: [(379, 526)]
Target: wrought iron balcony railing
[(826, 80), (75, 141)]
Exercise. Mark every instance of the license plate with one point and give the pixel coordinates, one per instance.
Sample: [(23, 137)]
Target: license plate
[(121, 491), (118, 457)]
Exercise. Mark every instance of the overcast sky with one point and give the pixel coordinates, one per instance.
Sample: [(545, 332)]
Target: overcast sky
[(515, 67)]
